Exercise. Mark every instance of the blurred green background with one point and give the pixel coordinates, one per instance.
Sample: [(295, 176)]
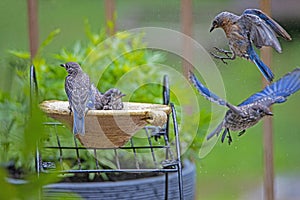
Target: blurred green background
[(228, 172)]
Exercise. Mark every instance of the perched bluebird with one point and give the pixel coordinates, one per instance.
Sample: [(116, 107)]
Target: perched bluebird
[(80, 95), (97, 96), (249, 112), (252, 27), (112, 99)]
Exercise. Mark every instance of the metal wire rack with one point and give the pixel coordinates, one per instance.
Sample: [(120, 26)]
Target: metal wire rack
[(163, 156)]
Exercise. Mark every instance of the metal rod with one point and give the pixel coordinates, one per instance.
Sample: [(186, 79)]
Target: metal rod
[(119, 170), (117, 158), (266, 56), (77, 152), (33, 26), (166, 101), (166, 90), (180, 185), (135, 156), (37, 161), (96, 159), (59, 147), (91, 148), (151, 149)]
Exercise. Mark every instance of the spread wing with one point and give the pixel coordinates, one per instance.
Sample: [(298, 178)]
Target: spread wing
[(211, 96), (278, 91), (205, 91), (260, 33), (280, 32)]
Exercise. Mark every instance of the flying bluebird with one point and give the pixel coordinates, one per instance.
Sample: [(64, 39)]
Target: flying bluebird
[(252, 27), (249, 112), (80, 95)]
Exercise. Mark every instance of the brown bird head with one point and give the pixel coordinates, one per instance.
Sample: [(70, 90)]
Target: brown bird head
[(222, 19), (71, 67)]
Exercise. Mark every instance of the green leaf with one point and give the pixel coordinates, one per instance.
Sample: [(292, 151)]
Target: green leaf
[(47, 41), (20, 54)]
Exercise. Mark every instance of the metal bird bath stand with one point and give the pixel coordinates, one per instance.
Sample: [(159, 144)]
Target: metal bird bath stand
[(110, 128), (101, 136)]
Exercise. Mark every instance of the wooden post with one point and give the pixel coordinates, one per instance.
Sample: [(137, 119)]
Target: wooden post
[(266, 56), (109, 16), (187, 28), (33, 26)]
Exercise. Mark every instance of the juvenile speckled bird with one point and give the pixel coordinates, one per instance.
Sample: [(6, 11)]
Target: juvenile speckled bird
[(112, 99), (97, 95), (80, 95), (253, 109), (252, 27)]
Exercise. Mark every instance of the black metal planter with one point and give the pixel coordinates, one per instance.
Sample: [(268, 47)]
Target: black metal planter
[(145, 188), (175, 183)]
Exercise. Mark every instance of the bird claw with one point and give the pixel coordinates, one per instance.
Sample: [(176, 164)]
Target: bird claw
[(226, 52), (229, 139), (222, 58), (219, 57), (241, 133), (224, 61), (70, 110)]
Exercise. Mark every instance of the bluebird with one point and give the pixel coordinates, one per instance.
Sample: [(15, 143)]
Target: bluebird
[(253, 109), (97, 96), (80, 95), (252, 27), (112, 99)]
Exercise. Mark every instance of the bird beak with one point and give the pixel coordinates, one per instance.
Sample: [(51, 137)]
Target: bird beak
[(63, 65), (269, 113), (121, 95), (212, 28)]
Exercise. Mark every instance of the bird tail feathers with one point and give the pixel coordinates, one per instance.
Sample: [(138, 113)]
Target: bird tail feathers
[(216, 131), (264, 69), (78, 125)]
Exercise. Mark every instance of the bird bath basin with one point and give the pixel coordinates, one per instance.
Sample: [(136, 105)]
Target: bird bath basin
[(109, 128)]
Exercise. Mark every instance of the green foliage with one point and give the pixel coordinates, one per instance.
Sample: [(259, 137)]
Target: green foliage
[(108, 59), (22, 130), (121, 61)]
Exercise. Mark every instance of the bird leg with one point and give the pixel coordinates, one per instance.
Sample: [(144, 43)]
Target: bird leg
[(241, 133), (70, 110), (226, 52), (229, 138), (229, 55)]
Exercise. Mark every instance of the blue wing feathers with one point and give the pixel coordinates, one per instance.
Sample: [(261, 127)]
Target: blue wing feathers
[(270, 22), (279, 90), (204, 91)]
